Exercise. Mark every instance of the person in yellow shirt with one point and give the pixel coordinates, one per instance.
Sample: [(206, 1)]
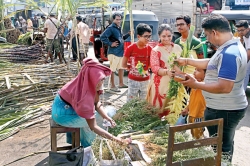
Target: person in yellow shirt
[(196, 106)]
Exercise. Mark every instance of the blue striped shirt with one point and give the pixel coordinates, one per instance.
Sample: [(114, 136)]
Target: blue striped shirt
[(229, 63)]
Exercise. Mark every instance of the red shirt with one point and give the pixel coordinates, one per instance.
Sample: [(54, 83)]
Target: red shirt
[(136, 59)]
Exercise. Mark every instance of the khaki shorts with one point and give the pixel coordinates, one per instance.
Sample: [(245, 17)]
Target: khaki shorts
[(115, 62), (56, 45), (84, 48)]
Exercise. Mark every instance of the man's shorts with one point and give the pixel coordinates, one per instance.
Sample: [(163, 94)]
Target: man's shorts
[(49, 45), (84, 48), (201, 4), (115, 62)]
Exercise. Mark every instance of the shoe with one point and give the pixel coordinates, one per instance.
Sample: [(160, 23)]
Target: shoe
[(124, 86), (115, 89), (72, 60)]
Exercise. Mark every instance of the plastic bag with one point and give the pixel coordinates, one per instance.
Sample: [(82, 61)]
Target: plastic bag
[(89, 157), (181, 120)]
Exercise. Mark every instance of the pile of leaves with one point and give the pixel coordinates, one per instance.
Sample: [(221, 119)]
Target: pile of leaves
[(136, 115), (156, 147)]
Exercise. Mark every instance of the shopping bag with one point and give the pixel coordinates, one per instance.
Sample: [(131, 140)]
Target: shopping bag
[(73, 157)]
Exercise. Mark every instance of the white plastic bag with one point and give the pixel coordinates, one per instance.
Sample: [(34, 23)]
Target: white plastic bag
[(88, 158)]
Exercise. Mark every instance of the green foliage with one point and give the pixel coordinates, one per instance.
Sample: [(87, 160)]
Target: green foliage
[(161, 138), (173, 85), (173, 88), (136, 115), (25, 39)]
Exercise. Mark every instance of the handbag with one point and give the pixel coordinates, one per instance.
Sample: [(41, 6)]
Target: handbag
[(73, 157)]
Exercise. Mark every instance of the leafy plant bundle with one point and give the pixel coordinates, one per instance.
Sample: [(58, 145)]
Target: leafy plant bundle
[(136, 115), (25, 39), (176, 95), (160, 139)]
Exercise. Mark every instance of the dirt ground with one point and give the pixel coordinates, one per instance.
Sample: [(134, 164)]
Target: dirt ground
[(34, 141)]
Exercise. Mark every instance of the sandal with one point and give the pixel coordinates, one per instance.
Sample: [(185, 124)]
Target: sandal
[(124, 86), (115, 89)]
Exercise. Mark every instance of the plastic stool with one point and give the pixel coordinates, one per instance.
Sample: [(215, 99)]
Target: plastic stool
[(55, 129)]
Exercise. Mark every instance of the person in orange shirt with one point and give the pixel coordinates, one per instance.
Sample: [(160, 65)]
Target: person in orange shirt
[(197, 105)]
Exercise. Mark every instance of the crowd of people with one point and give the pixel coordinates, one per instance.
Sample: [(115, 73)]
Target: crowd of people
[(208, 81)]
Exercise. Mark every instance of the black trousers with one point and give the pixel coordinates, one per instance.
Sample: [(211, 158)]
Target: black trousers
[(231, 120), (74, 48)]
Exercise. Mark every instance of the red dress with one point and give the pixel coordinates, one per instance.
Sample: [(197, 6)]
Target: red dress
[(158, 85)]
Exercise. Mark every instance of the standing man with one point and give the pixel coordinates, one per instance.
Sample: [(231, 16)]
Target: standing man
[(69, 26), (23, 24), (244, 30), (35, 22), (223, 85), (42, 21), (183, 25), (50, 28), (83, 35), (113, 37)]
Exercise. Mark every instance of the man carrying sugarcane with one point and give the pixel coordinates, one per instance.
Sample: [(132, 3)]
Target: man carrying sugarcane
[(183, 24), (83, 33), (51, 28)]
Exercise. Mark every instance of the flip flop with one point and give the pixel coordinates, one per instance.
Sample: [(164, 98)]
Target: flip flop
[(124, 86)]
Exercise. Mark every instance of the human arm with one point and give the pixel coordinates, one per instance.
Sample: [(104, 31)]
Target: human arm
[(199, 63), (126, 36), (155, 64), (99, 108), (221, 86), (98, 130), (125, 62), (126, 56), (248, 54), (105, 38)]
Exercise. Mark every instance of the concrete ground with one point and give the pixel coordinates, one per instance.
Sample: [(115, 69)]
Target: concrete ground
[(34, 141)]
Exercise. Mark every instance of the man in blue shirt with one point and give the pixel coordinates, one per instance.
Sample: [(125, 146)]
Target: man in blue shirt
[(113, 37), (223, 85)]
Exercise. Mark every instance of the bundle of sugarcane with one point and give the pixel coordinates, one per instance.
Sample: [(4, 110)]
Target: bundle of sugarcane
[(22, 54), (11, 36), (177, 94), (24, 90), (25, 39)]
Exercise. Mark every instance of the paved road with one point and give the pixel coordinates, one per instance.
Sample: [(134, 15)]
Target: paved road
[(37, 138)]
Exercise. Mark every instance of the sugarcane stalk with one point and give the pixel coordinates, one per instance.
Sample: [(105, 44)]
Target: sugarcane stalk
[(8, 82)]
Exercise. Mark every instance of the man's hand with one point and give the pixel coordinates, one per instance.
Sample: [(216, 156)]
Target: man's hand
[(115, 44), (181, 61), (190, 81)]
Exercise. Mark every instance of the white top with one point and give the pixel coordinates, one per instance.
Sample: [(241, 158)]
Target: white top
[(84, 32), (247, 42), (51, 28), (70, 24)]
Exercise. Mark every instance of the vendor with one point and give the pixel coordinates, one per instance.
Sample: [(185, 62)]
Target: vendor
[(76, 103)]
